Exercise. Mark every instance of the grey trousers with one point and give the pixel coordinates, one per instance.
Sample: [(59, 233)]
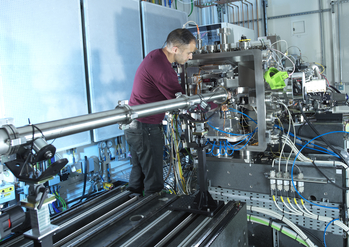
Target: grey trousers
[(147, 144)]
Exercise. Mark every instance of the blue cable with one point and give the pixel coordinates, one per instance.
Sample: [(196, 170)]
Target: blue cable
[(326, 229), (231, 109), (219, 150), (294, 162), (229, 133), (213, 145), (54, 207), (165, 2)]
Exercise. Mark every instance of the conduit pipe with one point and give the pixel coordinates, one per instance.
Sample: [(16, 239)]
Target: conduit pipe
[(252, 12), (248, 20)]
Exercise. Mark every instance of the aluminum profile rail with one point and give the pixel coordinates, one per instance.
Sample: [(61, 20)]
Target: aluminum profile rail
[(11, 137)]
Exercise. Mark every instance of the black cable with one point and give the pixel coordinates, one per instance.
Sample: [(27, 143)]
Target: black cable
[(323, 139), (328, 179), (318, 240), (85, 178), (335, 89)]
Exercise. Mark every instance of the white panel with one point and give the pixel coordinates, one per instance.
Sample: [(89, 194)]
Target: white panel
[(41, 64), (158, 22), (114, 51), (237, 31)]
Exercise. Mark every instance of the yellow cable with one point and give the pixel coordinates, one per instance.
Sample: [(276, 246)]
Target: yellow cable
[(179, 159), (282, 199), (295, 201), (323, 68)]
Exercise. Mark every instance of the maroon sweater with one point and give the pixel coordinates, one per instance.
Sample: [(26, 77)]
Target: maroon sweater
[(155, 80)]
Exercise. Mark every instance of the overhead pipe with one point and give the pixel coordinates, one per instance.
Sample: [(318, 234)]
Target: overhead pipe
[(238, 22), (252, 12), (257, 18), (11, 138), (233, 13), (243, 14), (248, 20)]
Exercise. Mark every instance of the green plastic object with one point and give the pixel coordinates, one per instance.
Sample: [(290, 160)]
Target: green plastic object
[(275, 78)]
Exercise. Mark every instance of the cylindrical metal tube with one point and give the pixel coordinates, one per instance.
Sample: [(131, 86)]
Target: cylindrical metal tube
[(248, 19), (243, 15), (252, 13), (238, 21), (257, 18), (69, 126)]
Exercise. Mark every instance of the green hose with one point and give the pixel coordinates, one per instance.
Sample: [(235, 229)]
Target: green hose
[(192, 7)]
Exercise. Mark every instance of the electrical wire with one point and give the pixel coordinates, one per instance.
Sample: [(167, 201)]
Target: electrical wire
[(323, 68), (294, 66), (312, 215), (295, 162), (320, 136), (326, 230), (326, 151), (281, 40), (285, 220), (328, 179), (233, 110), (267, 222)]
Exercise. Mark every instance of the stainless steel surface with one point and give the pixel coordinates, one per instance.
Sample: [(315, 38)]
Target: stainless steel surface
[(214, 225), (64, 127), (223, 32), (211, 48), (175, 230), (111, 25), (97, 207), (193, 234), (109, 221), (143, 231), (250, 75), (94, 222), (37, 236)]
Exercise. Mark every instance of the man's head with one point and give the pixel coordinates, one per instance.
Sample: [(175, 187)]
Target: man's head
[(180, 45)]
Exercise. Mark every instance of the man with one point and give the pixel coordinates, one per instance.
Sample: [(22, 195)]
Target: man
[(155, 80)]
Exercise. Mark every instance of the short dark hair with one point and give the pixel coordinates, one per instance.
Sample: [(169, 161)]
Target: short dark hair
[(179, 37)]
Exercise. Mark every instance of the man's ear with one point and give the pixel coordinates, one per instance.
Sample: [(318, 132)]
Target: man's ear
[(175, 49)]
